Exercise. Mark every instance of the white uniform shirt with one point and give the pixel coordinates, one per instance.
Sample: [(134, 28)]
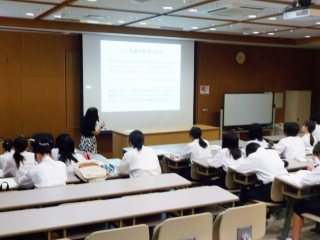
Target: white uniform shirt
[(316, 132), (266, 163), (290, 147), (311, 177), (47, 173), (5, 157), (55, 153), (140, 163), (223, 159), (262, 143), (306, 140), (194, 151), (10, 168)]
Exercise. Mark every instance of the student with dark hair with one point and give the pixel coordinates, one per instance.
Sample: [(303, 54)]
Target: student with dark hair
[(198, 148), (229, 154), (21, 162), (90, 128), (47, 172), (307, 129), (292, 145), (310, 205), (67, 153), (267, 164), (255, 135), (139, 161), (316, 119), (55, 151), (7, 145)]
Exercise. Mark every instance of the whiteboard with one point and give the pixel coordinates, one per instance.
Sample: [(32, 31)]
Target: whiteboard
[(247, 108)]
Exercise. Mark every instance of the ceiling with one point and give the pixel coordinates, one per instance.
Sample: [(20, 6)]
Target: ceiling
[(259, 18)]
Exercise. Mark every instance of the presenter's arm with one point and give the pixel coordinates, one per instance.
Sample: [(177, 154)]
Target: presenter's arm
[(98, 128)]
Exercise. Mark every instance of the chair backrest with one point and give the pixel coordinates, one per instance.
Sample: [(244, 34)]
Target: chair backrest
[(276, 191), (230, 184), (227, 223), (190, 227), (194, 173), (137, 232)]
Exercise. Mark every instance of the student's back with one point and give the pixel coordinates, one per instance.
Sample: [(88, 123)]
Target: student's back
[(8, 152), (255, 135)]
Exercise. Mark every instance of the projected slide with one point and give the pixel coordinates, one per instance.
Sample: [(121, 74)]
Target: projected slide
[(140, 76)]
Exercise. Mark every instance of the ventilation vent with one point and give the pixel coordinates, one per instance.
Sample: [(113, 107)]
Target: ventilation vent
[(234, 10)]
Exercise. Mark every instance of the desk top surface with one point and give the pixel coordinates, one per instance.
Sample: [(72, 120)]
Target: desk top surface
[(71, 193), (147, 131), (84, 213)]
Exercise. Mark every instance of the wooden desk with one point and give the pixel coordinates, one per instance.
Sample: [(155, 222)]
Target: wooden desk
[(14, 223), (89, 191), (160, 136), (294, 191)]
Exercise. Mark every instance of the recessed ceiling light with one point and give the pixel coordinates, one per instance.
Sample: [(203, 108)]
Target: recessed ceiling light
[(255, 32), (252, 16), (291, 31), (272, 18), (194, 28), (245, 33), (193, 10), (271, 34), (318, 23), (307, 36), (57, 16), (167, 8), (29, 14), (276, 29), (121, 21), (212, 29), (91, 0), (142, 23), (92, 21)]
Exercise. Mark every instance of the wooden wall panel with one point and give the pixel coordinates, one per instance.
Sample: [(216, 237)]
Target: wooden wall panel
[(10, 85), (266, 69)]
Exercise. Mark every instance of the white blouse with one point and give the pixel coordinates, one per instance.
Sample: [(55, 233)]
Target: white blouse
[(262, 143), (140, 163), (266, 163), (290, 147), (306, 140), (5, 157), (223, 159), (47, 173), (194, 151)]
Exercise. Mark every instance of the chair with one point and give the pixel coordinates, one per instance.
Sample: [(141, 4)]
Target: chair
[(231, 185), (190, 227), (137, 232), (226, 225)]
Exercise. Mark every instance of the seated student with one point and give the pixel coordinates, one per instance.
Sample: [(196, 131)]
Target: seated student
[(8, 152), (292, 145), (229, 154), (47, 172), (267, 164), (255, 135), (198, 148), (316, 119), (55, 151), (21, 162), (307, 129), (310, 205), (67, 153), (139, 161)]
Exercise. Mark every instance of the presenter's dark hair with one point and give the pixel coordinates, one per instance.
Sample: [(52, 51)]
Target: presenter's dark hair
[(251, 148), (291, 129), (231, 141), (255, 132), (20, 144), (136, 139), (316, 149), (7, 145), (89, 121), (41, 147), (196, 133), (66, 150), (311, 126)]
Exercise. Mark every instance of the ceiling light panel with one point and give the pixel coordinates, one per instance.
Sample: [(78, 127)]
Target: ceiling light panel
[(147, 6), (178, 23), (96, 16), (234, 10), (46, 1), (22, 9), (297, 33), (280, 21), (245, 29)]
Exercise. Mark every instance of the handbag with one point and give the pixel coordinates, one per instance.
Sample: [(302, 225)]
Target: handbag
[(90, 171)]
